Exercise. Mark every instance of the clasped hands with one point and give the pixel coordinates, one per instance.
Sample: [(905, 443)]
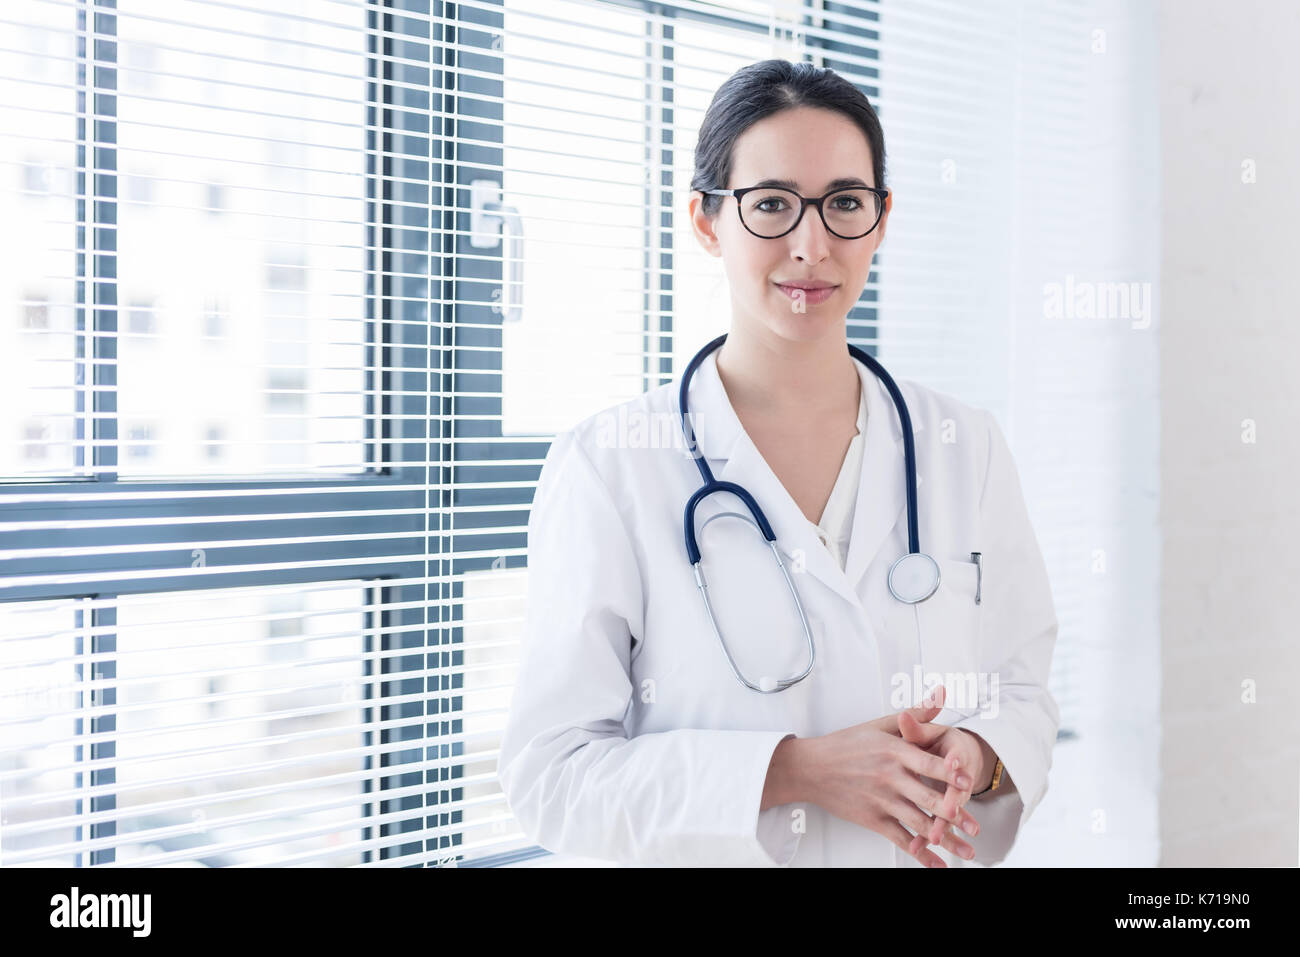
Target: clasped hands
[(962, 753), (963, 763), (890, 774)]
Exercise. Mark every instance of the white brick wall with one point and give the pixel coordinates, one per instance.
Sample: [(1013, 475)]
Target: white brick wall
[(1230, 771)]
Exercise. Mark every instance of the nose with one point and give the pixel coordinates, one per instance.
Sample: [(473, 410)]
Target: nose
[(810, 241)]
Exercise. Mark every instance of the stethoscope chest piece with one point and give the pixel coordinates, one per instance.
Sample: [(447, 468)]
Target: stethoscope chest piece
[(914, 577)]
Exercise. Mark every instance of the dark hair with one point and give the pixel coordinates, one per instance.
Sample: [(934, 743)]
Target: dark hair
[(757, 91)]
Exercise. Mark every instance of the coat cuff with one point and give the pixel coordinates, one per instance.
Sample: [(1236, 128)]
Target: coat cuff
[(730, 832), (781, 827), (1001, 815)]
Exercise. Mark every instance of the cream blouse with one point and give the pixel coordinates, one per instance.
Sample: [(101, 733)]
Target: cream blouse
[(837, 517)]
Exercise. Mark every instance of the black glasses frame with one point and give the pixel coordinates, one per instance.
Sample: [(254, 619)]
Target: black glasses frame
[(804, 203)]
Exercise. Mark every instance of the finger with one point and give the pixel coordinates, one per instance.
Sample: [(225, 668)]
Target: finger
[(919, 842), (950, 807), (942, 802), (953, 799), (889, 722), (935, 698), (947, 813), (916, 819), (928, 709), (923, 762), (928, 797), (951, 842), (923, 713), (922, 735), (905, 839), (965, 819)]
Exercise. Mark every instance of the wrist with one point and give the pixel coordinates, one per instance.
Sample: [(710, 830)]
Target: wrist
[(988, 759), (785, 782)]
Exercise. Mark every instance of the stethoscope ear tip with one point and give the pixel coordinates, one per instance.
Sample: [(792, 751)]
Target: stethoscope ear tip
[(766, 683)]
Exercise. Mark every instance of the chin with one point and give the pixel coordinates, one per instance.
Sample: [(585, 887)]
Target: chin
[(777, 319), (806, 327)]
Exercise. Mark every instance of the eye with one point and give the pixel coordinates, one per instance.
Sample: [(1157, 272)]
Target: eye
[(771, 199), (855, 203)]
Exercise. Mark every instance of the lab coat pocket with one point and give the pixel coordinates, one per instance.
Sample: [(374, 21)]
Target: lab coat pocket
[(949, 636)]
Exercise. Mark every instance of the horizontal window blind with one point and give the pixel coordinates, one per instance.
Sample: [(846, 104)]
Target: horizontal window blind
[(296, 298)]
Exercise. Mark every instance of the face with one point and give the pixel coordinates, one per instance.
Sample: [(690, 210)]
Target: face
[(812, 147)]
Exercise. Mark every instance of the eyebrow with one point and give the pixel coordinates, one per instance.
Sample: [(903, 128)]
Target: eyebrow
[(841, 183)]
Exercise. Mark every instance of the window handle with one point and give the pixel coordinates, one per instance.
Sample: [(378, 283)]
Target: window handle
[(486, 232)]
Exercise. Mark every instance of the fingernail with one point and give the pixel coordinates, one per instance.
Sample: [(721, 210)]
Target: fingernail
[(967, 853), (963, 781), (969, 827)]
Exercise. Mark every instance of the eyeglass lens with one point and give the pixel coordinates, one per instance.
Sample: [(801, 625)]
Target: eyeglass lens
[(849, 213)]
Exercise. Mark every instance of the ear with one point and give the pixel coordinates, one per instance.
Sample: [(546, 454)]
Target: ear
[(884, 217), (702, 225)]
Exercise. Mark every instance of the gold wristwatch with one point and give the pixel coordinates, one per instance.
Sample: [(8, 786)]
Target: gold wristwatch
[(997, 779)]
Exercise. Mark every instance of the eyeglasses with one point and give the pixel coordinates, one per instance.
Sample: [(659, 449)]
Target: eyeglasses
[(770, 212)]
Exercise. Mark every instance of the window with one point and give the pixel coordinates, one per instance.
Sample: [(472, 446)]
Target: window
[(212, 442), (214, 197), (319, 283), (36, 178), (36, 437), (374, 427), (216, 727), (138, 188), (214, 318), (218, 613), (36, 314), (140, 442), (141, 318)]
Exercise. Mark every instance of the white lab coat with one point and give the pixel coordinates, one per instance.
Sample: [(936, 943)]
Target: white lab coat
[(629, 737)]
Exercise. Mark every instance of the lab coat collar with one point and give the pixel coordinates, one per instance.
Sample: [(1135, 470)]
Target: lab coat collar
[(881, 500)]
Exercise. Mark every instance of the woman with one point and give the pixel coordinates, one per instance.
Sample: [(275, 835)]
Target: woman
[(629, 736)]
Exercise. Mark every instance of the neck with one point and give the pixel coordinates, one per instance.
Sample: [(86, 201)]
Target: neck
[(772, 376)]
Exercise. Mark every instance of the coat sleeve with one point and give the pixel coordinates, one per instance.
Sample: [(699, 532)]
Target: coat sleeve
[(1019, 633), (573, 779)]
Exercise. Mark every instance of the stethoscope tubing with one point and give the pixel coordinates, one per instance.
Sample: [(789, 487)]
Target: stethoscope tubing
[(712, 485), (768, 685)]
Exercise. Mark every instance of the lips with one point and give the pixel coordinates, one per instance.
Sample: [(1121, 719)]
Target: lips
[(810, 293)]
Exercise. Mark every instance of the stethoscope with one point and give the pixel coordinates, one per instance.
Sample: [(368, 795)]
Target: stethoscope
[(913, 577)]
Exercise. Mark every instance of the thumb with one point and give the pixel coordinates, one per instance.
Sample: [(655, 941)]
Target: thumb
[(926, 711), (929, 709), (914, 732)]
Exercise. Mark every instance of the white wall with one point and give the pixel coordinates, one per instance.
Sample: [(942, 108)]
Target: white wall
[(1022, 141), (1229, 93)]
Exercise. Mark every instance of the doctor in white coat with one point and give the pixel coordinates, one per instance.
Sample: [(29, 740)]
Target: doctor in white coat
[(629, 737)]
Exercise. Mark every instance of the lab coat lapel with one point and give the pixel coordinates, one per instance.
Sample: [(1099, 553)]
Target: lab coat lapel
[(802, 550), (733, 457), (882, 496)]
